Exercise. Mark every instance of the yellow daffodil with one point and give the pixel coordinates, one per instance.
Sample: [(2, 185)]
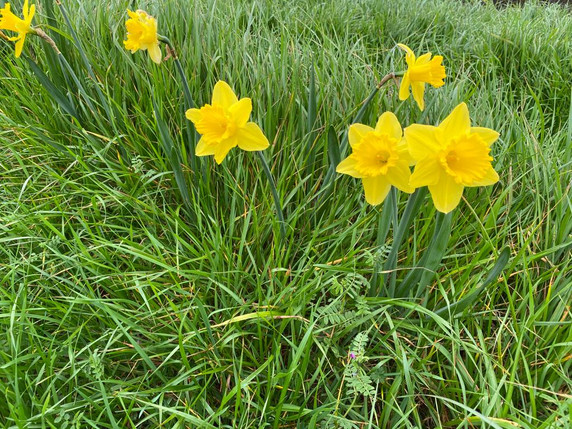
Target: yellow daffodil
[(379, 158), (10, 22), (450, 157), (420, 71), (224, 124), (142, 34)]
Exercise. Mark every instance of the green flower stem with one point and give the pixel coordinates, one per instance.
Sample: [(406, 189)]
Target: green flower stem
[(386, 216), (279, 212), (411, 209), (429, 262), (186, 91), (189, 102)]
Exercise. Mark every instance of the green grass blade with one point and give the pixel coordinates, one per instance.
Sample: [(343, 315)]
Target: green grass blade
[(173, 156)]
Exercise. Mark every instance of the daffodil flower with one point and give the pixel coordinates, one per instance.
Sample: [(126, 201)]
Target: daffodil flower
[(10, 22), (379, 157), (142, 34), (420, 71), (224, 124), (451, 156)]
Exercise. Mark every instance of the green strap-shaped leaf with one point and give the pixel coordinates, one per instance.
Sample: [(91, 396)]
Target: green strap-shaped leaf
[(387, 214), (411, 209), (431, 259), (172, 155), (56, 94)]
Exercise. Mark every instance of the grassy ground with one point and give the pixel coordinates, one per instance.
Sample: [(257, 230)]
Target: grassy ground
[(129, 298)]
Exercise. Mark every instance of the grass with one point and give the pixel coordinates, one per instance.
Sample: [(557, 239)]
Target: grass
[(132, 296)]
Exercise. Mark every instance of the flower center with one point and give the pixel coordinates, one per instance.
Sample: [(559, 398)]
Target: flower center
[(375, 154), (466, 159), (215, 124)]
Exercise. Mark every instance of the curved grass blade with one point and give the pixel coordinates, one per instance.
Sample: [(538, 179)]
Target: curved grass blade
[(311, 123), (462, 304)]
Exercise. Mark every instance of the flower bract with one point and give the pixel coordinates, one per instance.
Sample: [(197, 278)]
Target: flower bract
[(142, 34), (10, 22), (420, 71), (450, 157), (224, 124), (379, 158)]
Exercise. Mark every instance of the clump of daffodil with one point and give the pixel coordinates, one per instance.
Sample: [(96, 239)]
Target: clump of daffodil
[(142, 34), (451, 156), (10, 22), (419, 72), (379, 158), (223, 124)]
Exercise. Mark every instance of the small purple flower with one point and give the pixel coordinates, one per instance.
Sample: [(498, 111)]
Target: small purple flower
[(352, 355)]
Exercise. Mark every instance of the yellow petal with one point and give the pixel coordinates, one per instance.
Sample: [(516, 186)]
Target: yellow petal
[(20, 45), (423, 59), (130, 46), (155, 53), (5, 10), (223, 95), (404, 87), (251, 138), (376, 189), (421, 140), (456, 124), (8, 21), (437, 72), (31, 12), (356, 133), (240, 111), (403, 152), (348, 166), (409, 55), (389, 124), (418, 90), (205, 149), (427, 172), (399, 175), (222, 149), (193, 115), (446, 194), (486, 134), (490, 178)]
